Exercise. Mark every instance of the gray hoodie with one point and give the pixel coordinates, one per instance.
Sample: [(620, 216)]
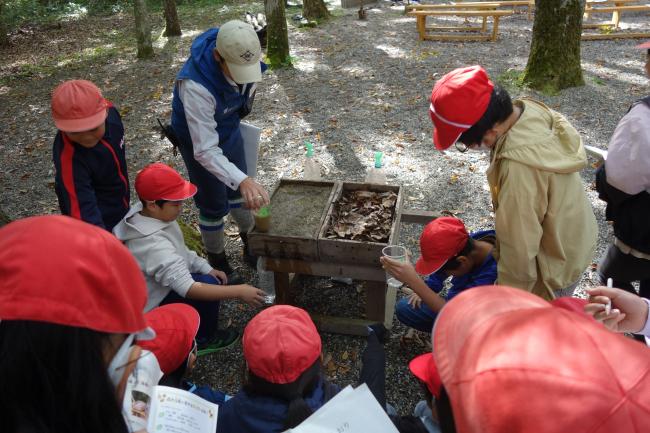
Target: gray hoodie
[(160, 250)]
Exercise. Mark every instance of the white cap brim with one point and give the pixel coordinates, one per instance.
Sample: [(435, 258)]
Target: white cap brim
[(243, 74)]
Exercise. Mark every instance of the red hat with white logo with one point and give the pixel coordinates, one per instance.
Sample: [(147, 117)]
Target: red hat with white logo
[(280, 343), (176, 326), (159, 181), (61, 270), (510, 361), (440, 240), (78, 105), (458, 101)]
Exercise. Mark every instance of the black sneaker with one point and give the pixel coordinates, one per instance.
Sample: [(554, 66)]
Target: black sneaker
[(220, 262), (380, 331), (221, 339)]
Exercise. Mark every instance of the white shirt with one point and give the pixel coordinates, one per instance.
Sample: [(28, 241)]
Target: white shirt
[(200, 106)]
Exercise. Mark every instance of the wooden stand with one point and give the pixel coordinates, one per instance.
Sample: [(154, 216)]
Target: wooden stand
[(337, 258)]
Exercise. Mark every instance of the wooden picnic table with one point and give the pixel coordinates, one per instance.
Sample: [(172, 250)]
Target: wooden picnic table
[(485, 12), (528, 4), (615, 7), (291, 256)]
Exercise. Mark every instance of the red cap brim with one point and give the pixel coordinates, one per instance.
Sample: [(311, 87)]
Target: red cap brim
[(444, 135), (424, 368), (81, 125), (424, 267), (644, 46), (188, 190)]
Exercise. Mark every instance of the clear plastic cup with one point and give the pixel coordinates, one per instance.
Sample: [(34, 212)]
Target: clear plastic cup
[(395, 252)]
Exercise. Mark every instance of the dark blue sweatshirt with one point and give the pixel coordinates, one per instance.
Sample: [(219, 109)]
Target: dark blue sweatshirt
[(92, 184)]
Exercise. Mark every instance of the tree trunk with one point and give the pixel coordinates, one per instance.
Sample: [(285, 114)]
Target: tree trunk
[(4, 31), (172, 25), (314, 10), (142, 29), (277, 35), (554, 59)]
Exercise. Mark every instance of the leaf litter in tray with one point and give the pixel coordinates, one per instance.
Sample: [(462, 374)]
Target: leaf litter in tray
[(363, 216)]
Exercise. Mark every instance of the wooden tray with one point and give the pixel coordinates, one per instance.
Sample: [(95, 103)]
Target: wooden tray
[(303, 246), (359, 252)]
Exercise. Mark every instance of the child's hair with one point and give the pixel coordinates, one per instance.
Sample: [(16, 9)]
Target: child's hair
[(445, 412), (53, 380), (293, 392), (453, 262), (498, 110), (175, 378)]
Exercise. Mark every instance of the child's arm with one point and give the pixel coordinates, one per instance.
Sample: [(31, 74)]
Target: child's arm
[(405, 272), (212, 292)]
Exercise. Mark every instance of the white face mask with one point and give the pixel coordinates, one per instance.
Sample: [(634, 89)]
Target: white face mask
[(116, 366)]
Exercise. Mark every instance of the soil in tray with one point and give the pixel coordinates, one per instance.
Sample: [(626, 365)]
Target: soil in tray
[(296, 210)]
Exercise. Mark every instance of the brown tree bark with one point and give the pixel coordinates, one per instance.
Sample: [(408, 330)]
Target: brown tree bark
[(554, 59), (172, 24), (277, 35), (142, 29), (4, 31), (314, 10)]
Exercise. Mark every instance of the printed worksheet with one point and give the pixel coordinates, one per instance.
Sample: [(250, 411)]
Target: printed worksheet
[(177, 411)]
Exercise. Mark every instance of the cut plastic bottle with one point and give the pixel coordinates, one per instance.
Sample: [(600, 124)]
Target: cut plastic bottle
[(311, 169), (265, 281), (376, 174)]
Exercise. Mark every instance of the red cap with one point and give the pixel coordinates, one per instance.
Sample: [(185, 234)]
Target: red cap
[(176, 326), (57, 269), (644, 46), (424, 368), (159, 181), (280, 343), (440, 240), (78, 105), (511, 362), (458, 101)]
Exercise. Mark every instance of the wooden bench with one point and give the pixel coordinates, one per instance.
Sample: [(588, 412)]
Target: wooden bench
[(616, 10), (424, 30), (528, 4)]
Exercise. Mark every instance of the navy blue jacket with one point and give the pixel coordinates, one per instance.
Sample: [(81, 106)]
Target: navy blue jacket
[(232, 104), (486, 274), (245, 413), (92, 184)]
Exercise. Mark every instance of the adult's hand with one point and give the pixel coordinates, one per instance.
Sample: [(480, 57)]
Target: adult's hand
[(629, 312), (254, 194)]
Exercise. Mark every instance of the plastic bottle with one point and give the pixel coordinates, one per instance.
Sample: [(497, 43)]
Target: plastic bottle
[(265, 281), (376, 174), (311, 170)]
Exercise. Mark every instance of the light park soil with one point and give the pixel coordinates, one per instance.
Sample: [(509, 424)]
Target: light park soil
[(356, 87)]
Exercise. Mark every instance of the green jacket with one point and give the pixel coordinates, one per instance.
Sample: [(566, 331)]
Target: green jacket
[(546, 229)]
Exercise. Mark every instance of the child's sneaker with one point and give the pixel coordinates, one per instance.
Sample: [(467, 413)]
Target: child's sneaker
[(221, 339)]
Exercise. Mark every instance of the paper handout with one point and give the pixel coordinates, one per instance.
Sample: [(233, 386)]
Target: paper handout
[(350, 411)]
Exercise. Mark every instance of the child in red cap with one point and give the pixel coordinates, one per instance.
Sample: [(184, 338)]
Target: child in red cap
[(546, 230), (623, 181), (175, 348), (284, 382), (447, 250), (173, 272), (507, 363), (91, 179), (66, 331)]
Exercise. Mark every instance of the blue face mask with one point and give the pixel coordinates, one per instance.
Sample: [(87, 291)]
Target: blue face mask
[(116, 366)]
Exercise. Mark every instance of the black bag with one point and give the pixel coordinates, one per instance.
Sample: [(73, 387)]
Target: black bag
[(167, 131)]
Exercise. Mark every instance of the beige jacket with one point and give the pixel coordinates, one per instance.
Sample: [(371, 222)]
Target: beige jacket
[(546, 229)]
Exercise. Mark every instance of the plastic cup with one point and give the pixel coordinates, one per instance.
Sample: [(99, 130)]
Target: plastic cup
[(263, 219), (395, 252)]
